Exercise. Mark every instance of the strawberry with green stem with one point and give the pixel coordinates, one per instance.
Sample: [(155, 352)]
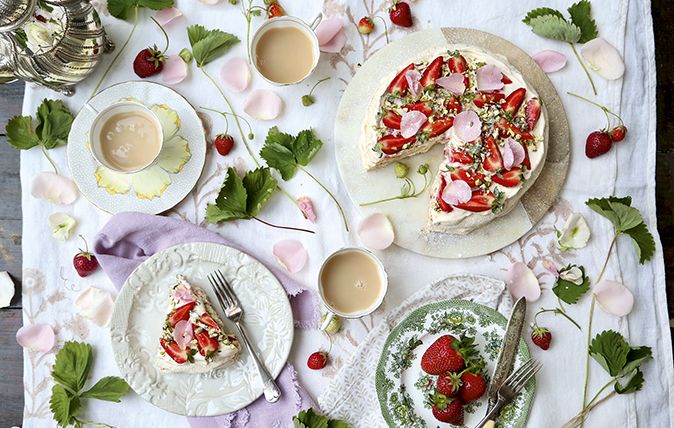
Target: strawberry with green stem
[(308, 99), (85, 262), (366, 26), (319, 359), (150, 61), (617, 132), (409, 189), (541, 336), (225, 136)]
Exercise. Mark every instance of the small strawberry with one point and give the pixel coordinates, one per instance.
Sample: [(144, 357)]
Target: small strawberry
[(365, 25), (597, 143), (618, 133), (541, 337), (148, 62), (274, 9), (615, 133), (400, 14), (447, 409), (448, 384), (317, 360), (85, 262), (473, 387), (223, 144)]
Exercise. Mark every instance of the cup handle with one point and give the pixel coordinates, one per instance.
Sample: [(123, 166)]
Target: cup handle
[(329, 316), (317, 20)]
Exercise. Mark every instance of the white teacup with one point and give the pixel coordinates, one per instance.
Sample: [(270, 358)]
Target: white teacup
[(282, 22), (133, 158), (371, 303)]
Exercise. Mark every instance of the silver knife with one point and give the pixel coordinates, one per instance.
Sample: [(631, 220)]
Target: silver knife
[(508, 352)]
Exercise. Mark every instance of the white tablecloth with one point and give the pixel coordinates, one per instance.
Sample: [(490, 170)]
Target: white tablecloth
[(51, 285)]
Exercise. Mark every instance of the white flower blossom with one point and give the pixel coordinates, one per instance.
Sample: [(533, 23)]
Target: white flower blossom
[(574, 234), (61, 225)]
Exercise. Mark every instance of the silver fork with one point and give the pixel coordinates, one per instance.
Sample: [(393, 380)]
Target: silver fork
[(234, 312), (511, 387)]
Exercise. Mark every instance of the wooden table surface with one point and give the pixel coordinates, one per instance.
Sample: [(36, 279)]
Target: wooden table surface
[(11, 359)]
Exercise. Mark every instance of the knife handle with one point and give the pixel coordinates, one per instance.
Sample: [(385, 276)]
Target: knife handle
[(490, 417)]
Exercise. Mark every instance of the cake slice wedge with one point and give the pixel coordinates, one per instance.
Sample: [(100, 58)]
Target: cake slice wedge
[(193, 338)]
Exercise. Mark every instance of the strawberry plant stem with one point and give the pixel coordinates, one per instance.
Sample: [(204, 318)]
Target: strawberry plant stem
[(582, 64), (556, 311), (341, 211), (603, 108), (318, 83), (412, 194), (51, 161), (117, 55), (283, 227), (385, 27), (166, 37)]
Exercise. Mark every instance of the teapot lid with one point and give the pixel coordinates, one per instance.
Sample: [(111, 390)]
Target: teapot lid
[(14, 12)]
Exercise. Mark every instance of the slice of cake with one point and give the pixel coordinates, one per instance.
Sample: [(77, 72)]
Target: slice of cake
[(193, 339)]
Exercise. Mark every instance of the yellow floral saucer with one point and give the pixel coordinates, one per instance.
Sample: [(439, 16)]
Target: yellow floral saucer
[(158, 187)]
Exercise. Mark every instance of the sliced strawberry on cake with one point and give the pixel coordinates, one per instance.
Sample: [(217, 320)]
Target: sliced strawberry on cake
[(192, 338)]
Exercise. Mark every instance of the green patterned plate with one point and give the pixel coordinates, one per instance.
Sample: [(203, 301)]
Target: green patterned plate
[(402, 387)]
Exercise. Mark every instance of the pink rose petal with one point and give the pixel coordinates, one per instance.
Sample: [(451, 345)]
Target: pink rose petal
[(457, 192), (174, 71), (413, 78), (167, 15), (36, 337), (522, 282), (183, 333), (518, 151), (507, 156), (613, 297), (335, 45), (96, 305), (467, 126), (453, 83), (410, 122), (183, 293), (263, 104), (376, 232), (489, 78), (549, 60), (54, 188), (290, 254), (235, 74), (307, 208), (326, 33), (550, 267)]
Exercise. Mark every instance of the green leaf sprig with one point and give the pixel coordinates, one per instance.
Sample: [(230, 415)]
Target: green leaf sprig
[(309, 99), (408, 189), (580, 28), (249, 10), (71, 371), (310, 419), (243, 198), (568, 291), (287, 153), (54, 121)]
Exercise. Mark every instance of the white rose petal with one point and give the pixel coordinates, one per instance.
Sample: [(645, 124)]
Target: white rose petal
[(61, 225), (96, 305), (613, 297), (376, 232), (603, 58), (522, 282), (574, 234), (6, 289)]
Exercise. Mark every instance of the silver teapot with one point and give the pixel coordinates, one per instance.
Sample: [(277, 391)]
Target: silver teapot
[(55, 43)]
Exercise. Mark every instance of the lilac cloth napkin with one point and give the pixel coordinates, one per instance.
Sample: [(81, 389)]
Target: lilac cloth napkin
[(130, 238)]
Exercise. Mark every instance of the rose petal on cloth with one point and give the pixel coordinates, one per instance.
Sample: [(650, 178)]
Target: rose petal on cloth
[(291, 254), (54, 188), (307, 208), (36, 337), (235, 74), (613, 297), (489, 78), (263, 104), (522, 282), (95, 304), (376, 232), (167, 15), (507, 156), (183, 293), (61, 225), (574, 234), (183, 333), (518, 151), (453, 83), (603, 58), (413, 78), (410, 122), (330, 34), (467, 125), (174, 71), (457, 192), (549, 60), (550, 267), (6, 289), (335, 45)]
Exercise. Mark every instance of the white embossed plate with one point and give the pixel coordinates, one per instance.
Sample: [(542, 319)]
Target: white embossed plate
[(140, 310)]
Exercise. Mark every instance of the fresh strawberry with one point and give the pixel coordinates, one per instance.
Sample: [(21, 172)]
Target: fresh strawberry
[(484, 98), (507, 129), (441, 357), (181, 313), (148, 62), (439, 126), (597, 143), (453, 104), (514, 101), (391, 144), (207, 319), (399, 83), (174, 351), (206, 344), (509, 178), (421, 106), (317, 360), (400, 14), (223, 144), (470, 177), (461, 156), (473, 387), (493, 160), (432, 72), (532, 111), (541, 337), (457, 64), (618, 133), (444, 206), (391, 120), (446, 409), (85, 262), (480, 201), (274, 9), (448, 384), (365, 25), (41, 18), (505, 79)]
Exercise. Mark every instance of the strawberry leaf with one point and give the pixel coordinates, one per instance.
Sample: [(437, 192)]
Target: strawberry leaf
[(260, 186), (610, 350), (644, 244), (285, 153), (241, 198), (208, 45), (555, 28), (72, 365), (109, 388), (20, 133), (581, 15), (122, 9), (569, 291), (541, 11), (632, 383), (63, 405)]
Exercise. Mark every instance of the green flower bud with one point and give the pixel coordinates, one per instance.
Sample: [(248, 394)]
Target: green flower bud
[(307, 100), (334, 326), (423, 168), (401, 170), (186, 55)]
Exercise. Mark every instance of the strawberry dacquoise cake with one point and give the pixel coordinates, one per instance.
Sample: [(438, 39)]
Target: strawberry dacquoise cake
[(193, 339), (490, 121)]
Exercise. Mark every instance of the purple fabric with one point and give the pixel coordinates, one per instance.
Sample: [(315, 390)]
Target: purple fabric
[(130, 238)]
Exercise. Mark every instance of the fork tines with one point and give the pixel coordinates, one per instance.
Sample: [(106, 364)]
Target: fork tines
[(223, 291), (520, 377)]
